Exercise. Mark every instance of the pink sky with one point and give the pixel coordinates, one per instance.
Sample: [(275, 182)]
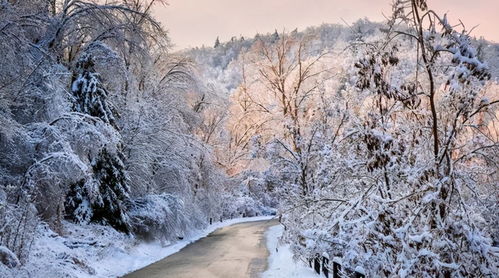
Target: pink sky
[(198, 22)]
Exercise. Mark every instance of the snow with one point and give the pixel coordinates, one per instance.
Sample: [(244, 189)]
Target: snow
[(360, 269), (52, 137), (116, 262), (281, 262), (99, 251)]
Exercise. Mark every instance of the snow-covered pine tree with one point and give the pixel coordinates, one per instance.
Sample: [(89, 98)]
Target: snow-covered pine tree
[(89, 93), (110, 206), (77, 204), (101, 198), (217, 43)]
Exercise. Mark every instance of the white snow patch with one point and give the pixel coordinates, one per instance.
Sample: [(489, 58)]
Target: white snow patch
[(281, 262)]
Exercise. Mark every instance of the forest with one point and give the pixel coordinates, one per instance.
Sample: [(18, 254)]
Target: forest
[(374, 144)]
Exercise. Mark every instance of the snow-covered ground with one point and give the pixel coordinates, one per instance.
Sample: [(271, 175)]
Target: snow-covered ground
[(99, 251), (281, 263), (118, 263)]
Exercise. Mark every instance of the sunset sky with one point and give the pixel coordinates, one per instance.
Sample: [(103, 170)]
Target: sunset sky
[(198, 22)]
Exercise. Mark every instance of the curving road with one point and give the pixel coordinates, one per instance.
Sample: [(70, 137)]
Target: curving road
[(232, 252)]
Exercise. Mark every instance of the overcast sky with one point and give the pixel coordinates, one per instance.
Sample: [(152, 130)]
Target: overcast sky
[(198, 22)]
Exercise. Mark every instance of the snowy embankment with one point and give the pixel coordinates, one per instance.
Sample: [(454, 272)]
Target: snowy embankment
[(119, 263), (281, 262), (98, 251)]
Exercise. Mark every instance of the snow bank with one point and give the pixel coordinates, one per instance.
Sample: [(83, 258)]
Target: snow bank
[(117, 262), (281, 263), (99, 251)]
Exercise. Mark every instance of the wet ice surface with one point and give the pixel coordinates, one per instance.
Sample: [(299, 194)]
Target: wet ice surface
[(234, 251)]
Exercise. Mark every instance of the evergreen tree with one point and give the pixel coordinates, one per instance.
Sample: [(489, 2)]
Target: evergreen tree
[(77, 206), (275, 36), (110, 206), (103, 199), (100, 198), (89, 93), (217, 43)]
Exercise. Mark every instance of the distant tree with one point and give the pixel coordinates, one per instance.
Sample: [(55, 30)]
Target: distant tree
[(275, 36), (217, 43), (289, 88)]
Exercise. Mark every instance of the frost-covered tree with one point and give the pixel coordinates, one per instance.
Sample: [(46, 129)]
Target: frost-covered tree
[(110, 206), (105, 198), (288, 75), (405, 194), (78, 206), (89, 93)]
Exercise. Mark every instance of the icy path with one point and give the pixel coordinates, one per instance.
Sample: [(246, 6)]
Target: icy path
[(120, 260), (281, 263), (234, 251)]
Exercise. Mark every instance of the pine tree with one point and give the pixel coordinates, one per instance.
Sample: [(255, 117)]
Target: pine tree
[(77, 206), (275, 36), (89, 93), (103, 199), (217, 43), (110, 206)]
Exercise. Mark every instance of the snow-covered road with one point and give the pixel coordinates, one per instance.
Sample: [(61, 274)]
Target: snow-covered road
[(234, 251)]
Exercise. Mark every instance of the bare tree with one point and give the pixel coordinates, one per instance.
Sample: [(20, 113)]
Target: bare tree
[(289, 72)]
